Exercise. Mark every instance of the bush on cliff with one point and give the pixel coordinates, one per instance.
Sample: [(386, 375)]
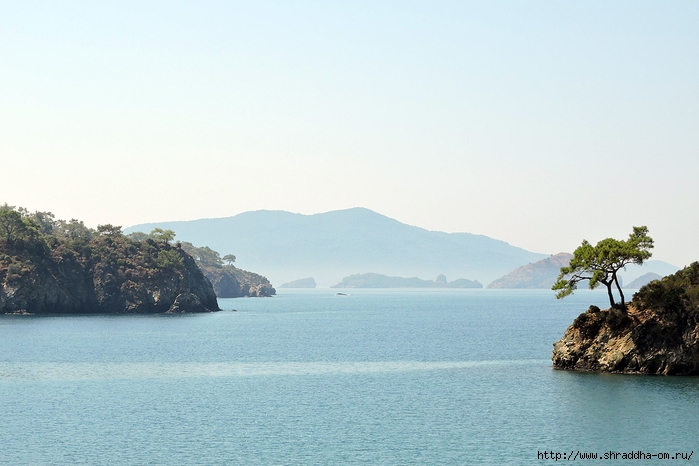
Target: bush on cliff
[(678, 292), (228, 281)]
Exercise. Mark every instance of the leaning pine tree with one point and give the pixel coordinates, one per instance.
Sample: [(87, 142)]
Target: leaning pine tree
[(601, 264)]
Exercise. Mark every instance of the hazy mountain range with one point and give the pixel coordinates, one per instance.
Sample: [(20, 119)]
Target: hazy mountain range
[(329, 246), (543, 274)]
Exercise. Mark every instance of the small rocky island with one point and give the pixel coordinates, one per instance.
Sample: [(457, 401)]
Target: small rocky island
[(50, 266), (657, 333)]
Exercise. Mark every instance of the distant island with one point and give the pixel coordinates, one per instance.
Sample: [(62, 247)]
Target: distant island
[(50, 266), (375, 280), (643, 280), (541, 274), (300, 283)]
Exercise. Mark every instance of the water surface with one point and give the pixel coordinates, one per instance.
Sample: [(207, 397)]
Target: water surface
[(308, 377)]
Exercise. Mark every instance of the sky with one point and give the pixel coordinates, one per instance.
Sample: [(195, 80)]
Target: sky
[(539, 123)]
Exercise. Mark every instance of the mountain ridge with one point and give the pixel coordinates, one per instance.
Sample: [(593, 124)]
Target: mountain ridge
[(331, 245)]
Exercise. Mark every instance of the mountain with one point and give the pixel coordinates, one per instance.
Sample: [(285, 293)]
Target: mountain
[(541, 274), (643, 280), (284, 246), (376, 280), (661, 268)]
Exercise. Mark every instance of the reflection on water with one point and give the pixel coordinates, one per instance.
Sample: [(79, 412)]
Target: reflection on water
[(94, 371)]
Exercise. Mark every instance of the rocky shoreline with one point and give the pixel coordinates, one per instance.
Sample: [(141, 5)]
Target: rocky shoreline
[(114, 280), (657, 334)]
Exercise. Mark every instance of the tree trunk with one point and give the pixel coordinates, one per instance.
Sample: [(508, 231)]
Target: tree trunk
[(621, 293), (609, 292)]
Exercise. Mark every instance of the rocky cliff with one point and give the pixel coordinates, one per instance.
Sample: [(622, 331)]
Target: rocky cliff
[(658, 334), (55, 268), (232, 282), (228, 280)]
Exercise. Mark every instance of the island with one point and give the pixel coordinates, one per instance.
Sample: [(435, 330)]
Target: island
[(50, 266), (644, 279), (540, 274), (308, 282), (658, 333), (376, 280)]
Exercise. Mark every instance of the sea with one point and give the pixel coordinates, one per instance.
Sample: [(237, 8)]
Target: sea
[(310, 377)]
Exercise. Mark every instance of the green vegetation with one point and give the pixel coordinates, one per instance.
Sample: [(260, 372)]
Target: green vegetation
[(59, 266), (659, 334), (228, 280), (30, 238), (602, 262), (676, 293), (164, 236), (205, 257)]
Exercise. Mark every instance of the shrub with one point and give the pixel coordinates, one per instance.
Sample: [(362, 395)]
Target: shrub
[(168, 259)]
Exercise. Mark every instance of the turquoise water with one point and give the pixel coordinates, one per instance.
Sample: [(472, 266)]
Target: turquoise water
[(378, 377)]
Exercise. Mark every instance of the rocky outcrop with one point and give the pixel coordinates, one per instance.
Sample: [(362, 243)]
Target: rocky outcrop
[(232, 282), (658, 334), (187, 302), (228, 281), (107, 274)]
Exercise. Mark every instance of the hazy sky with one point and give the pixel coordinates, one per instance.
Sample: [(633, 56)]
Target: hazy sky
[(539, 123)]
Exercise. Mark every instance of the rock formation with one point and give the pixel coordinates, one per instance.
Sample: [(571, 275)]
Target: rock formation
[(228, 281), (232, 282), (106, 274), (658, 334)]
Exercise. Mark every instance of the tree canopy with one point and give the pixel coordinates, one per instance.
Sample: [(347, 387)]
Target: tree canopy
[(601, 263), (161, 235), (203, 256)]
